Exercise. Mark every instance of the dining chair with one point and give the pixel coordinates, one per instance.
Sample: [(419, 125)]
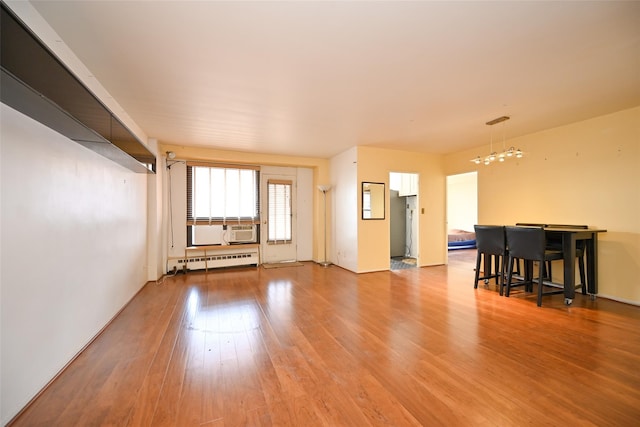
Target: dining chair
[(556, 244), (529, 244), (547, 266), (491, 244)]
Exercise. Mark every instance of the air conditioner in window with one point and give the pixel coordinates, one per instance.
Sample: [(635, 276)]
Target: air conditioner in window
[(241, 233)]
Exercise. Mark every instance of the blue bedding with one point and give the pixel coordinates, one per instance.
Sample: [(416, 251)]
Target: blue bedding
[(462, 244)]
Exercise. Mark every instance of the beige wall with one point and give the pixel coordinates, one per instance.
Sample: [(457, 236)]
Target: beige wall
[(584, 173), (320, 176), (374, 165)]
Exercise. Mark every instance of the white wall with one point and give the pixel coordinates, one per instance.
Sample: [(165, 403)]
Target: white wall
[(155, 263), (304, 214), (73, 251), (462, 201), (176, 197), (344, 210)]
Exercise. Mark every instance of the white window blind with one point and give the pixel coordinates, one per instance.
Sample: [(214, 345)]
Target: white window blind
[(220, 194), (279, 211)]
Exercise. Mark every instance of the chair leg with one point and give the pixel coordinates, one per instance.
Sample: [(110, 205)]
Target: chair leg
[(502, 276), (475, 283), (509, 275), (540, 283), (528, 275), (503, 271)]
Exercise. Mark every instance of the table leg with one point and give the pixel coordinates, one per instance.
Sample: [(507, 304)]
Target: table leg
[(569, 251), (592, 264)]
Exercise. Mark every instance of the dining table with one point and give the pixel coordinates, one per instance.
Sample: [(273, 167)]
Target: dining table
[(569, 237)]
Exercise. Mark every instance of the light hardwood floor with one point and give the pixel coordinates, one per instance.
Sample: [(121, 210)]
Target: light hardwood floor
[(306, 346)]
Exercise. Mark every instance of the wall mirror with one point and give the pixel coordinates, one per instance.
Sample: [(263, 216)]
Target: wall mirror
[(373, 200)]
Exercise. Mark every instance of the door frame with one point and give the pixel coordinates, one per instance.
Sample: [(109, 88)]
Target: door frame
[(277, 252)]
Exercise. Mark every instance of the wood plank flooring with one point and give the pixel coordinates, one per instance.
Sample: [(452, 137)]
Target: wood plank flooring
[(307, 346)]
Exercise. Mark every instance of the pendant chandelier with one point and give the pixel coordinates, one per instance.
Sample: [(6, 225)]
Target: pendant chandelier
[(506, 153)]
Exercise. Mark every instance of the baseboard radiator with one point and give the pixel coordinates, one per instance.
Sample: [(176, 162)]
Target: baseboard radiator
[(230, 258)]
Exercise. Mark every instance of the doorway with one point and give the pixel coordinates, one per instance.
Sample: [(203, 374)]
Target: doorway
[(403, 219), (462, 208)]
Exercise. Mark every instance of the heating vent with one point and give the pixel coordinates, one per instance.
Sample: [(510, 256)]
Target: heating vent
[(242, 233), (218, 260)]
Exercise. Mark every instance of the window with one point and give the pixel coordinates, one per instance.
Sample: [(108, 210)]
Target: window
[(221, 194), (279, 220)]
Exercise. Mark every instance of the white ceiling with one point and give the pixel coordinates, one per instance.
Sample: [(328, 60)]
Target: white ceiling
[(316, 78)]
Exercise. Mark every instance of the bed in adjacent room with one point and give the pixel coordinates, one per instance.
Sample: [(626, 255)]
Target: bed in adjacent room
[(461, 239)]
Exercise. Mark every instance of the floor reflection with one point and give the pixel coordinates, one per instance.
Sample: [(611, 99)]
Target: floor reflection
[(279, 296), (221, 331)]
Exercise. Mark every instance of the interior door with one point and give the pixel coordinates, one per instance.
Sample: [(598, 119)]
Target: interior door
[(278, 229)]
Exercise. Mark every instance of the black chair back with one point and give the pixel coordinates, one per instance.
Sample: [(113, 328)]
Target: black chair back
[(526, 242), (490, 239)]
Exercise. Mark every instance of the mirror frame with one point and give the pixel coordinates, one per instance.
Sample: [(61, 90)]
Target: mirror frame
[(366, 185)]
